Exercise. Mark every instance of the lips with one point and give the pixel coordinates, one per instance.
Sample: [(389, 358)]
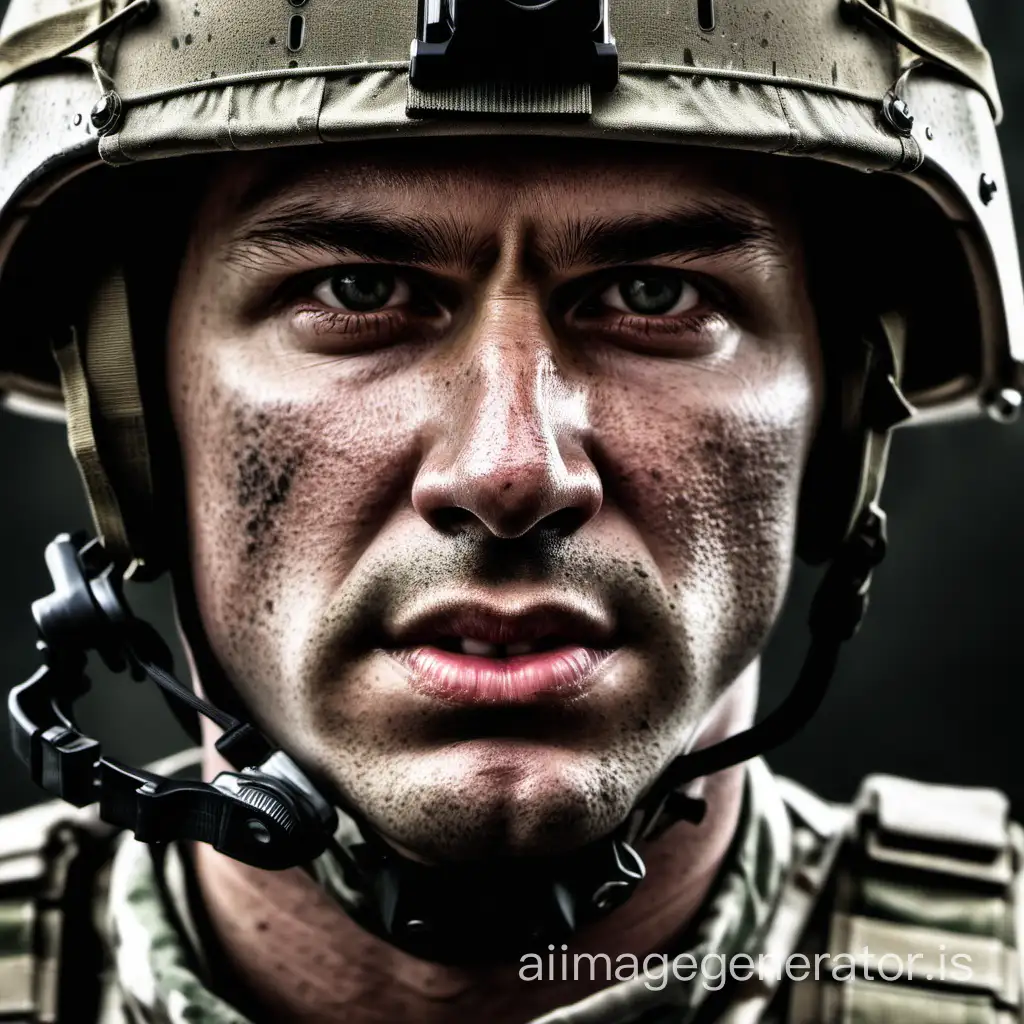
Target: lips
[(481, 654)]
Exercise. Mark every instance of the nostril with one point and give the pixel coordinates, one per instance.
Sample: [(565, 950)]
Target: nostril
[(451, 519), (564, 522)]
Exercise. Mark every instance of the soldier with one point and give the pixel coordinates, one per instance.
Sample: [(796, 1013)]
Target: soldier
[(477, 444)]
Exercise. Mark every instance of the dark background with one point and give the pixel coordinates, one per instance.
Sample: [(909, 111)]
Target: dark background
[(931, 687)]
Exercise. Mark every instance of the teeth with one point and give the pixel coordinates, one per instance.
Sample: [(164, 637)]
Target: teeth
[(482, 649), (479, 648)]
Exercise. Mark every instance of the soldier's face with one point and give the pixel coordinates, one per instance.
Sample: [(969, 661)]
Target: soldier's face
[(492, 456)]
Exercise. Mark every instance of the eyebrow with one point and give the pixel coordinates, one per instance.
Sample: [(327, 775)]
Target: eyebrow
[(688, 233), (697, 230), (428, 240)]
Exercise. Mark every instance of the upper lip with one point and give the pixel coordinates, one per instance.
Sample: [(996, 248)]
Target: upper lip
[(504, 624)]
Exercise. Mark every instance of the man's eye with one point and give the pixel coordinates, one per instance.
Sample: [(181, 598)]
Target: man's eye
[(362, 290), (652, 294)]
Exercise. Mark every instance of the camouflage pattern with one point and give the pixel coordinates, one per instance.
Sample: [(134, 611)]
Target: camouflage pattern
[(156, 972), (918, 868), (158, 964)]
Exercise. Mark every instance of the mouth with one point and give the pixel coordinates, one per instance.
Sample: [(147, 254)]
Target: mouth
[(480, 654)]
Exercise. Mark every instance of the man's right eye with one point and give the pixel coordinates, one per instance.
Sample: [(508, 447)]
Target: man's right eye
[(365, 289)]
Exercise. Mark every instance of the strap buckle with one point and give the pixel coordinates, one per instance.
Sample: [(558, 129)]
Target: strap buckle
[(269, 815)]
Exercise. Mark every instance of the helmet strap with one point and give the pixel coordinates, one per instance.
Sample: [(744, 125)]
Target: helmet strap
[(267, 814), (106, 425), (841, 601)]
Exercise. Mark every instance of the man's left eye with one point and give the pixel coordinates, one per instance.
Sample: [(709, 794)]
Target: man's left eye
[(362, 290), (657, 293)]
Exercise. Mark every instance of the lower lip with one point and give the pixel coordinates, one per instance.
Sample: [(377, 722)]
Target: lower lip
[(561, 674)]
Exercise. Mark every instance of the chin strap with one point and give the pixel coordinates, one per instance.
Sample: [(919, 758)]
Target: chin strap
[(839, 604), (836, 613), (467, 913), (269, 814)]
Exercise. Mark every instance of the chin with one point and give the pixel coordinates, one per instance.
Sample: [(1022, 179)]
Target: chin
[(486, 800)]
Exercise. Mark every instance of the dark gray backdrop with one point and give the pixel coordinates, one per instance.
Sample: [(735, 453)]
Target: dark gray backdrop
[(930, 688)]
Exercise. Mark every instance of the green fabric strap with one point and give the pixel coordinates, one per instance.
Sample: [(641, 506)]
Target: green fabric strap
[(103, 503), (61, 35), (113, 381), (106, 428)]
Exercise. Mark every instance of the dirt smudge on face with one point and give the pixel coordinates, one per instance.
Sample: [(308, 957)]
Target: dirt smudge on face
[(264, 477)]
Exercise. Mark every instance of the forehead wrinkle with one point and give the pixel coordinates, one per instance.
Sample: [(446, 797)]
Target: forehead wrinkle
[(469, 223)]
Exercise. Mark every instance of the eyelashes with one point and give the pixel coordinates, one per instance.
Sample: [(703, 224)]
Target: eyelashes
[(364, 306)]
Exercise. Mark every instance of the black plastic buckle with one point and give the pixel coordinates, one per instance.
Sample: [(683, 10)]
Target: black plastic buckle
[(842, 599), (477, 913), (563, 41), (270, 816)]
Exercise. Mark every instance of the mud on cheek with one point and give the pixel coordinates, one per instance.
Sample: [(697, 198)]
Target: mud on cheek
[(243, 484), (265, 469)]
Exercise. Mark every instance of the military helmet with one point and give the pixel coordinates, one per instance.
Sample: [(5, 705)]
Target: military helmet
[(902, 88)]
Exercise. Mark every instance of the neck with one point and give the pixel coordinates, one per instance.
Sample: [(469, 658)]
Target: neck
[(294, 956)]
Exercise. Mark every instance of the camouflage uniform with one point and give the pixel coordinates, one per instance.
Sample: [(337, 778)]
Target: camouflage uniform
[(911, 869)]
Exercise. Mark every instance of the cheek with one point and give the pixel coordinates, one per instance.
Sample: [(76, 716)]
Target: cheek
[(709, 476), (284, 494)]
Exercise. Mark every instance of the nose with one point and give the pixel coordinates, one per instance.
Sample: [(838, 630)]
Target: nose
[(510, 456)]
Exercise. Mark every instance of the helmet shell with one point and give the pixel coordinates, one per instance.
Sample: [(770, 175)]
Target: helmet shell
[(785, 77)]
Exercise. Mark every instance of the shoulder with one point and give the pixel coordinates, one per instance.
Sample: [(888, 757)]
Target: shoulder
[(50, 856), (27, 832), (911, 903), (962, 831), (54, 865)]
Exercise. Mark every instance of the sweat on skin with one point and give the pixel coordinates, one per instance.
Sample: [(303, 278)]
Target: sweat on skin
[(505, 429)]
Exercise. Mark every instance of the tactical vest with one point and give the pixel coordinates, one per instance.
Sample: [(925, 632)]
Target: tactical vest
[(915, 893), (906, 907)]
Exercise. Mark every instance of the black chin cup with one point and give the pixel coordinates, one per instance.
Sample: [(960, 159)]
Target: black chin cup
[(269, 815), (465, 913), (543, 41)]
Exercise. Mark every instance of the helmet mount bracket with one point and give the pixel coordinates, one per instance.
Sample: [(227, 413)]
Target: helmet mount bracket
[(543, 41)]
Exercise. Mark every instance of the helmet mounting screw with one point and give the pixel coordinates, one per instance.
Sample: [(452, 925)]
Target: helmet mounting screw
[(107, 113), (1004, 406), (987, 189), (898, 114)]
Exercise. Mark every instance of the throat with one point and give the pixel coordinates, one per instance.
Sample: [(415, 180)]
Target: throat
[(290, 953)]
